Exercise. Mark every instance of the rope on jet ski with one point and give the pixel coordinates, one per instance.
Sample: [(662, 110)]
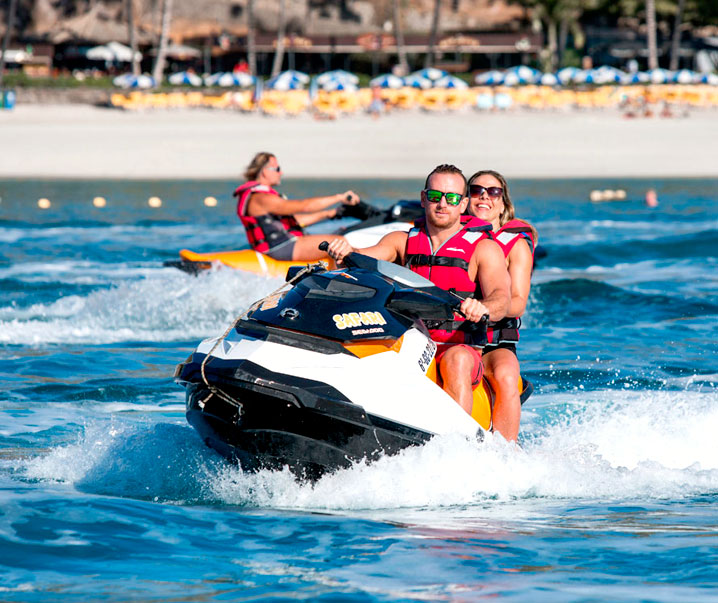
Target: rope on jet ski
[(213, 388)]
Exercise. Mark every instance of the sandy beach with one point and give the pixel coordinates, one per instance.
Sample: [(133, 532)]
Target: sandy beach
[(80, 141)]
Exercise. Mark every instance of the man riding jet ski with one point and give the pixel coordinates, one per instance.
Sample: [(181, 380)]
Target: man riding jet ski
[(336, 370), (457, 253), (342, 367)]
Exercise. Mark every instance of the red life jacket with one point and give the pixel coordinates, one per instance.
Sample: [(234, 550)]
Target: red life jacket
[(507, 329), (267, 231), (448, 268)]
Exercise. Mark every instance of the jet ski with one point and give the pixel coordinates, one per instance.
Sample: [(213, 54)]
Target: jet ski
[(372, 226), (338, 369)]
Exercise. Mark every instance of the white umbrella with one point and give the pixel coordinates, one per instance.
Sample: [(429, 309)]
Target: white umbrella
[(129, 80), (639, 77), (387, 80), (287, 80), (430, 73), (490, 78), (417, 81), (524, 74), (685, 76), (185, 78), (226, 79), (659, 76), (548, 79), (710, 78), (337, 74), (567, 74), (450, 81), (112, 51), (338, 84)]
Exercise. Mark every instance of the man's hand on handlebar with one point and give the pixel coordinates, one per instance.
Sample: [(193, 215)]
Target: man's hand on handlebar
[(338, 249), (473, 309)]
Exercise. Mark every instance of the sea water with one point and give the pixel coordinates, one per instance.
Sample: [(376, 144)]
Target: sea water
[(106, 493)]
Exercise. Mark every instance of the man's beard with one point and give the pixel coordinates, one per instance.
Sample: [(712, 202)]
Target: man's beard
[(443, 221)]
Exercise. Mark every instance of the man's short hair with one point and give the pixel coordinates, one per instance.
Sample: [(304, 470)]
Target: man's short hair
[(445, 168)]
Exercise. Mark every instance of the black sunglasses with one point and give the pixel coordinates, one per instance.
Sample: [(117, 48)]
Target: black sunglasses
[(476, 190)]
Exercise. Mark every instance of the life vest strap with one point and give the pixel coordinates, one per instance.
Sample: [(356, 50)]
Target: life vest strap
[(434, 260)]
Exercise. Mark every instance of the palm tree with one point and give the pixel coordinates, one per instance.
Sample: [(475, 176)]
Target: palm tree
[(131, 36), (676, 42), (279, 52), (251, 40), (399, 36), (6, 39), (429, 61), (159, 68), (651, 27)]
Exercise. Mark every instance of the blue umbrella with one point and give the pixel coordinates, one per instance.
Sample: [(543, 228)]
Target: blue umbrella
[(337, 74), (418, 81), (524, 74), (567, 74), (430, 73), (184, 78), (388, 80), (450, 81), (490, 78), (129, 80), (548, 79), (710, 78), (685, 76), (659, 76), (338, 84), (226, 79), (287, 80), (639, 77)]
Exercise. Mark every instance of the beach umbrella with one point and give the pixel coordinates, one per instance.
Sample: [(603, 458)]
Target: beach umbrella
[(287, 80), (430, 73), (709, 78), (129, 80), (685, 76), (524, 74), (549, 79), (608, 75), (294, 74), (337, 74), (638, 77), (450, 81), (418, 81), (659, 76), (490, 78), (338, 84), (112, 52), (567, 74), (226, 79), (387, 80), (185, 78)]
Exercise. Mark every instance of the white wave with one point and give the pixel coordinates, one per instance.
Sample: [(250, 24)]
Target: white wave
[(166, 306), (609, 445)]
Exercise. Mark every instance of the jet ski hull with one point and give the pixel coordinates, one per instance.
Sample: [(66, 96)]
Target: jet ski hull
[(266, 420)]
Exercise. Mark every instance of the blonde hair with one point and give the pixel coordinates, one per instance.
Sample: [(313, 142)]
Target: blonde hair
[(257, 165), (509, 212)]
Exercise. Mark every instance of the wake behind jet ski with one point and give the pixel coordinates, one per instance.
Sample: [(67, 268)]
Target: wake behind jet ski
[(338, 369)]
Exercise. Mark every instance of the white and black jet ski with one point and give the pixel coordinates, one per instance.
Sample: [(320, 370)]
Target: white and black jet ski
[(337, 369)]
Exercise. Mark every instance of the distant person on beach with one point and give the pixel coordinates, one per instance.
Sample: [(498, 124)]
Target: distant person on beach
[(274, 224), (377, 105), (651, 198), (489, 200), (466, 261)]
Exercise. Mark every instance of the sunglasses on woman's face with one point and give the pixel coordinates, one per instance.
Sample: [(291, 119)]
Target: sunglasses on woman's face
[(476, 190), (275, 168), (435, 196)]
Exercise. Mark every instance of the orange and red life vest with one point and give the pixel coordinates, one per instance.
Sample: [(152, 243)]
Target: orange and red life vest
[(267, 231), (448, 268)]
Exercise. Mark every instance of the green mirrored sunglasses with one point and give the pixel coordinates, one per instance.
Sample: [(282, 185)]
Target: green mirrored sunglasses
[(435, 196)]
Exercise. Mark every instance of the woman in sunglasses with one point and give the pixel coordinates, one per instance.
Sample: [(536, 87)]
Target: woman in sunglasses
[(275, 224), (489, 200)]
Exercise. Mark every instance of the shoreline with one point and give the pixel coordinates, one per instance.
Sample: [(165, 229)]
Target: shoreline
[(93, 143)]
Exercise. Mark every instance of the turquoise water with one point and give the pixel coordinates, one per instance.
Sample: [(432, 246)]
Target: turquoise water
[(108, 495)]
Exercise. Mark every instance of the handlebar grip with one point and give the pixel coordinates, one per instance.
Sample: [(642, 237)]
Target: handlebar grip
[(324, 245)]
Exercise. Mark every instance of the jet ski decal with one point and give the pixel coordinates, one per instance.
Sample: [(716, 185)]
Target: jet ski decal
[(358, 319)]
